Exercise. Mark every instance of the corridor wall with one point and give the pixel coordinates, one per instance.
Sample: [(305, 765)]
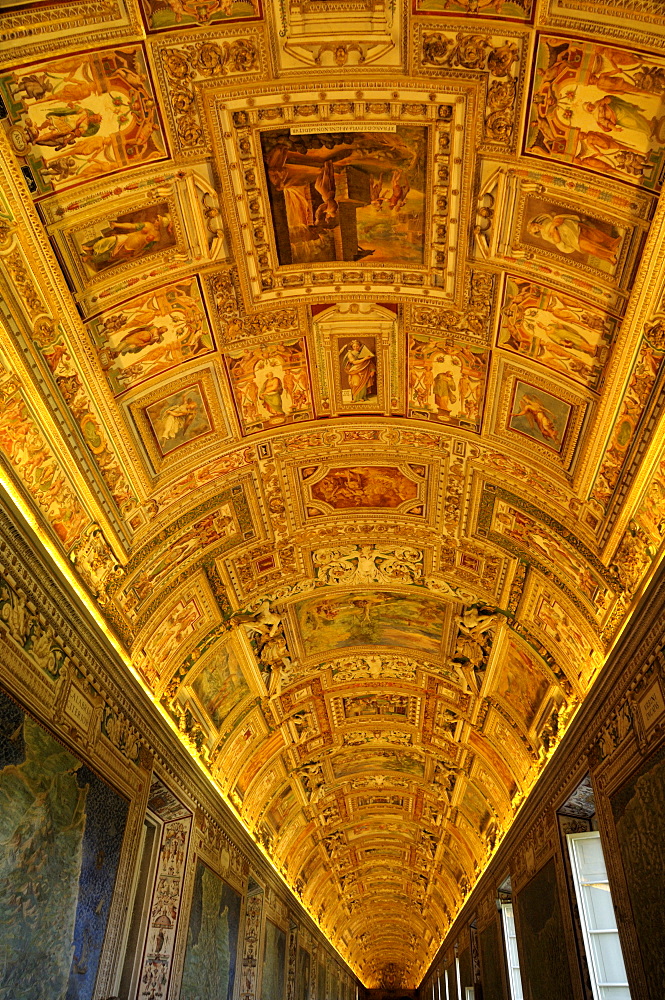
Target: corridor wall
[(122, 872), (608, 774)]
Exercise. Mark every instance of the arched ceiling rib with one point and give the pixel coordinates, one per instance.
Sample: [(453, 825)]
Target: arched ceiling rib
[(332, 364)]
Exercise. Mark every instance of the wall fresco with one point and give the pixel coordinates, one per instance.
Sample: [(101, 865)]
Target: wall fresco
[(521, 684), (446, 382), (62, 836), (178, 418), (364, 486), (638, 808), (270, 384), (371, 631), (516, 10), (539, 415), (164, 15), (151, 334), (542, 938), (165, 909), (574, 236), (212, 938), (131, 236), (273, 978), (220, 685)]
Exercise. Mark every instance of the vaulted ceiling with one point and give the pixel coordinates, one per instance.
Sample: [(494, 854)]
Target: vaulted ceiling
[(332, 365)]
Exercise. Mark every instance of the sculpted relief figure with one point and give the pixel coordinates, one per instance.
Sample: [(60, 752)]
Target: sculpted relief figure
[(266, 633), (367, 564), (474, 640)]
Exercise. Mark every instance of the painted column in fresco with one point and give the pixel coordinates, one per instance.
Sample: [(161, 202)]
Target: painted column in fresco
[(165, 910), (250, 954)]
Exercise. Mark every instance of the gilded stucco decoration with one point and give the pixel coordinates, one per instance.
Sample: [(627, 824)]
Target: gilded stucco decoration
[(332, 365)]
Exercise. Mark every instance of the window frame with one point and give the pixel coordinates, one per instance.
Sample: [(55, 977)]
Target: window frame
[(511, 953), (585, 918)]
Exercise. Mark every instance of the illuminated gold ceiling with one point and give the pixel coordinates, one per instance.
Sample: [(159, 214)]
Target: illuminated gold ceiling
[(332, 364)]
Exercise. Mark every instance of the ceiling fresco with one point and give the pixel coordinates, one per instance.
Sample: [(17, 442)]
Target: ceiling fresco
[(332, 366)]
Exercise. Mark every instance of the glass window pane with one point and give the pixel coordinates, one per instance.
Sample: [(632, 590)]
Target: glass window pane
[(514, 975), (599, 907), (601, 937)]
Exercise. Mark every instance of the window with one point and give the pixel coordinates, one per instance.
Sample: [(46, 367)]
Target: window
[(447, 981), (512, 958), (599, 927)]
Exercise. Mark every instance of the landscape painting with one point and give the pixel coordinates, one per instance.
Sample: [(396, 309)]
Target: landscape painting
[(82, 116), (128, 237), (379, 703), (561, 333), (270, 384), (570, 234), (356, 196), (364, 486), (152, 333), (377, 761), (599, 107), (446, 381), (212, 938), (539, 415), (638, 808), (274, 958), (220, 685), (161, 15), (179, 418), (371, 618), (62, 831), (475, 808), (542, 938), (521, 684)]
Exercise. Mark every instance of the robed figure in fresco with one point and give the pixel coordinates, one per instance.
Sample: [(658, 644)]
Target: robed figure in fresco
[(573, 234), (271, 395), (126, 241), (360, 367)]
